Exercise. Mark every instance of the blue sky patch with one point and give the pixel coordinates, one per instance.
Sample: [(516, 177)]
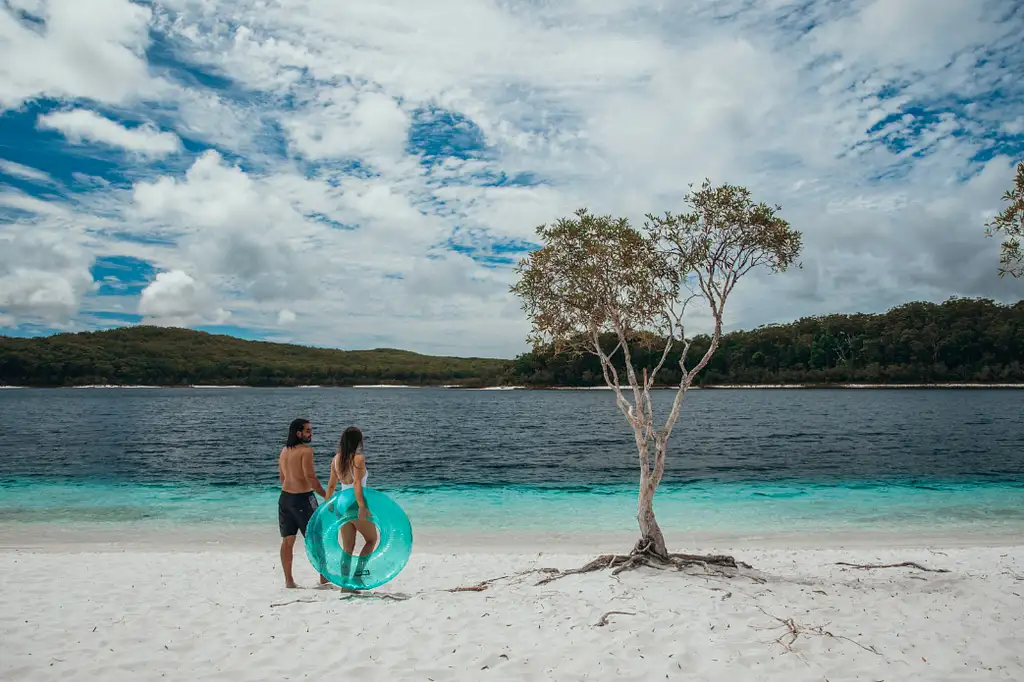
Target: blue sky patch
[(522, 179), (486, 249), (327, 220), (116, 316), (122, 275), (436, 134), (48, 151), (238, 332)]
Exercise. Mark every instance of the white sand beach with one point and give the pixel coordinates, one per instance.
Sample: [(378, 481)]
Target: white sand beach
[(201, 611)]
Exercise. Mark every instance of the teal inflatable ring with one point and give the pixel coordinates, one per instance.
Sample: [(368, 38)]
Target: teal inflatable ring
[(388, 558)]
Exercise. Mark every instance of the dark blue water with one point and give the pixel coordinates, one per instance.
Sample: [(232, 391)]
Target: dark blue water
[(468, 458), (429, 437)]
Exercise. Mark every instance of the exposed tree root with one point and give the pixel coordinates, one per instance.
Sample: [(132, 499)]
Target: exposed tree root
[(484, 584), (721, 565), (908, 564), (794, 630), (714, 564), (604, 618)]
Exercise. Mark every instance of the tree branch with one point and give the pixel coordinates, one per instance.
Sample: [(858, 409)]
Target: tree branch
[(611, 375)]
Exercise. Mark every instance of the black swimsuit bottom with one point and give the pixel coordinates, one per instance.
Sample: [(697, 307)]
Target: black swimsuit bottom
[(294, 511)]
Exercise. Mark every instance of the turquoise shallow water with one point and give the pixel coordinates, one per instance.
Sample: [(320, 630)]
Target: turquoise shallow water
[(728, 508)]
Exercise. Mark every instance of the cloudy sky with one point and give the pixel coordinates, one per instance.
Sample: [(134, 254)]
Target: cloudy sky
[(365, 174)]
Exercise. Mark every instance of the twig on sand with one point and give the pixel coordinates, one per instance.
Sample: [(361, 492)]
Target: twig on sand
[(383, 596), (794, 630), (908, 564), (297, 601), (604, 618), (484, 584)]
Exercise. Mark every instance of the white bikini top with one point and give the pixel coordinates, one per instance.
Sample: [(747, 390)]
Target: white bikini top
[(346, 486)]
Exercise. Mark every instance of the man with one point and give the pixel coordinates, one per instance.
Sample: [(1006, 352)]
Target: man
[(297, 502)]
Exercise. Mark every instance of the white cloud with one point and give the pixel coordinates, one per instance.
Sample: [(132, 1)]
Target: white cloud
[(1014, 127), (347, 123), (849, 115), (90, 49), (175, 299), (242, 231), (81, 125), (25, 172), (43, 276)]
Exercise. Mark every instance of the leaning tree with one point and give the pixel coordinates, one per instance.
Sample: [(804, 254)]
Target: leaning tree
[(1010, 221), (597, 276)]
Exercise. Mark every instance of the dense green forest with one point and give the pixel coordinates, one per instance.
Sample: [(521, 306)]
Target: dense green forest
[(178, 357), (961, 340)]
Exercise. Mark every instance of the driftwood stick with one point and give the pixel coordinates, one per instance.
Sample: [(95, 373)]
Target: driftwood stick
[(297, 601), (484, 584), (908, 564), (604, 618), (383, 596)]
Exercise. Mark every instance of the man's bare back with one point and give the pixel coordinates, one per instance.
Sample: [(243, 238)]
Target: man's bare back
[(295, 465)]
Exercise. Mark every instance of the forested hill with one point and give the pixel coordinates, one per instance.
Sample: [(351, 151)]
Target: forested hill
[(961, 340), (178, 357)]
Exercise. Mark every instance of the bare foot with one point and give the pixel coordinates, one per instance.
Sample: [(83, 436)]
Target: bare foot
[(323, 580), (290, 585)]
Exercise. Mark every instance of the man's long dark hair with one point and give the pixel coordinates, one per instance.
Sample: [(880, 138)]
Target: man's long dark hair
[(293, 432), (348, 444)]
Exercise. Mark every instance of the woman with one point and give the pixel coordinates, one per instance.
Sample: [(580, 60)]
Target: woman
[(349, 468)]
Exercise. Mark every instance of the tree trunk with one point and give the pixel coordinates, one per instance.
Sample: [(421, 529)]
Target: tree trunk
[(652, 541)]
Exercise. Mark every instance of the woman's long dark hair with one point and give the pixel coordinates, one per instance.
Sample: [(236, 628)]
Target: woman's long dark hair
[(293, 432), (351, 439)]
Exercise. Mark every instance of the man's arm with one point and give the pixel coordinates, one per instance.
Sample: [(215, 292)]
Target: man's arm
[(310, 472)]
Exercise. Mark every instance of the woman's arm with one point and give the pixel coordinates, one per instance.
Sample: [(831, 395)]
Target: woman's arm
[(333, 482), (359, 468)]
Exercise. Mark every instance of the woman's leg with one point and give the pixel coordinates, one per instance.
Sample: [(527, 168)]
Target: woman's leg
[(369, 532), (348, 546)]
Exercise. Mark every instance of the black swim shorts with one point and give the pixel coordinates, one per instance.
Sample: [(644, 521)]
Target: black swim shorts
[(294, 511)]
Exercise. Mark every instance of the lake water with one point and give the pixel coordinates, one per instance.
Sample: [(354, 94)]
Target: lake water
[(748, 462)]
